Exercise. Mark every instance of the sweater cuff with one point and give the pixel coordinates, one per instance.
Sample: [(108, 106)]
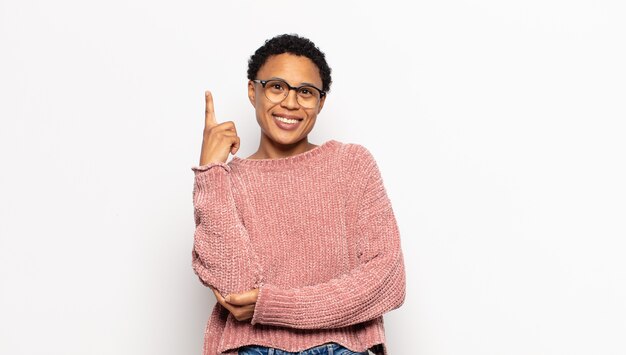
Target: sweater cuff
[(200, 168), (211, 182), (275, 306)]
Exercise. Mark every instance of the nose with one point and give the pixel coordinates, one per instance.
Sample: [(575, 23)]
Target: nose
[(291, 101)]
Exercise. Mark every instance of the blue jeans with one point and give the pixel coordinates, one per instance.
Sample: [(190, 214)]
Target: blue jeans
[(325, 349)]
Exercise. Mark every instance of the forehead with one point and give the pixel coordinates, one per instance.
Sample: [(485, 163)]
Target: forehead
[(292, 68)]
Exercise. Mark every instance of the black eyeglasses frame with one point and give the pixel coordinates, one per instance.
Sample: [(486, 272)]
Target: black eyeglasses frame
[(264, 82)]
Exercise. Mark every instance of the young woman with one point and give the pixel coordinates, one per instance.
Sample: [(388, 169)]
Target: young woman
[(298, 242)]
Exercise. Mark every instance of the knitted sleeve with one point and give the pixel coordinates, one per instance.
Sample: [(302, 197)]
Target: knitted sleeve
[(222, 256), (374, 287)]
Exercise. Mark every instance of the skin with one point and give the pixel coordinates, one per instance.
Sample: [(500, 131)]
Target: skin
[(221, 139), (276, 142)]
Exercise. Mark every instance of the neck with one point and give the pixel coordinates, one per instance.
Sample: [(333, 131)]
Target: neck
[(269, 149)]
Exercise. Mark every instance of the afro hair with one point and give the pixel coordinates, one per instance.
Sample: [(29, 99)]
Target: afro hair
[(294, 44)]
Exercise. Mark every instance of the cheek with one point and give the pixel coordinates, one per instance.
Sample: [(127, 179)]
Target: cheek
[(263, 109), (267, 106), (258, 103)]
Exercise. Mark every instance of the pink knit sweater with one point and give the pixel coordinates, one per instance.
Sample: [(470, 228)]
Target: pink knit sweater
[(315, 232)]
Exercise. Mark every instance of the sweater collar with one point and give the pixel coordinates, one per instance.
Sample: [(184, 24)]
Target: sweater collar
[(288, 162)]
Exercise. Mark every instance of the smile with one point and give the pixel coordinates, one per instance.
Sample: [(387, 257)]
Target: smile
[(286, 120), (287, 123)]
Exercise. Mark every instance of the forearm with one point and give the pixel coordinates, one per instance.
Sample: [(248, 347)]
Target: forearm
[(353, 298), (222, 255)]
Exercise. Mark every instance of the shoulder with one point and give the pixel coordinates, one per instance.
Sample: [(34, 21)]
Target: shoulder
[(357, 157)]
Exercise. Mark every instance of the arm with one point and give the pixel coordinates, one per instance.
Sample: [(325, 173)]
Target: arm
[(222, 256), (374, 287)]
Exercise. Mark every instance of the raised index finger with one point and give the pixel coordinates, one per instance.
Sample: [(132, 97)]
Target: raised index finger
[(209, 112)]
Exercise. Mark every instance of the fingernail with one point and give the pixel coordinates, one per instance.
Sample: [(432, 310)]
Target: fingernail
[(227, 298)]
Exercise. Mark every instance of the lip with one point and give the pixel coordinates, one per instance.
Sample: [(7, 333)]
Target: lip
[(288, 116), (287, 126)]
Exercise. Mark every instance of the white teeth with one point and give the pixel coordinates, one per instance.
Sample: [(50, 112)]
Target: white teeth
[(286, 120)]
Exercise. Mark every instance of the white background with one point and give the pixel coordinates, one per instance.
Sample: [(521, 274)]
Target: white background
[(498, 127)]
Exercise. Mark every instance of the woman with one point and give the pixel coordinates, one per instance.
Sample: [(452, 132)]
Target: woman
[(298, 241)]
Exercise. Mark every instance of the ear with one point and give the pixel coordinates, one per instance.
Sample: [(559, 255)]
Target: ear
[(251, 92), (322, 100)]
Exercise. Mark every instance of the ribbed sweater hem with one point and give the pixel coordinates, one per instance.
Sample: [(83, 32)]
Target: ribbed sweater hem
[(235, 334)]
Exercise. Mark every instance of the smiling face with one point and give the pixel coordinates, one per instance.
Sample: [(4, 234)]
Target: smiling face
[(296, 71)]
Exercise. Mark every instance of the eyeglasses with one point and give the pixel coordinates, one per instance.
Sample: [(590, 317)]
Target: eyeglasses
[(276, 91)]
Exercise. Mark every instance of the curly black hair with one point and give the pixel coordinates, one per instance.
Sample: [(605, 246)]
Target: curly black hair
[(294, 44)]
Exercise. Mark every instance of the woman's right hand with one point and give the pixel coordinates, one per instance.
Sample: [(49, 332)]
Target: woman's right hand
[(218, 139), (243, 309)]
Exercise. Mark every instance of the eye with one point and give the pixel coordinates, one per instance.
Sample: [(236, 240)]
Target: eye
[(306, 92), (275, 86)]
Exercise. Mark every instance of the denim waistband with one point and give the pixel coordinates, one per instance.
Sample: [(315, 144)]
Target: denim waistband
[(324, 349)]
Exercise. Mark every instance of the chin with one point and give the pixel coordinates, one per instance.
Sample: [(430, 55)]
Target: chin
[(286, 140)]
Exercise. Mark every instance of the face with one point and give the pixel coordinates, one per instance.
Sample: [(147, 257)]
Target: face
[(296, 71)]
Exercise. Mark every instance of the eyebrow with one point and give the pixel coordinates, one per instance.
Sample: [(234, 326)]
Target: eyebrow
[(304, 83)]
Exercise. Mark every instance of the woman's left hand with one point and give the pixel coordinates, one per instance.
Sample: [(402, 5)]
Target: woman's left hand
[(241, 305)]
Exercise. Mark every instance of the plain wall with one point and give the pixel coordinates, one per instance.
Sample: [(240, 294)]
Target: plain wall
[(498, 128)]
